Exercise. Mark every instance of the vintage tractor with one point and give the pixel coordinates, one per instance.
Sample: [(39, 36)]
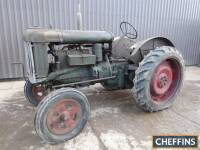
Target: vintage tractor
[(59, 61)]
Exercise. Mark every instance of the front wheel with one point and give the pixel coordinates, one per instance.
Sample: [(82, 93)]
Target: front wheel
[(34, 93), (158, 79), (61, 115)]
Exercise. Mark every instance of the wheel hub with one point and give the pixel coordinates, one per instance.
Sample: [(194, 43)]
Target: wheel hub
[(64, 116), (165, 80), (38, 91), (162, 78)]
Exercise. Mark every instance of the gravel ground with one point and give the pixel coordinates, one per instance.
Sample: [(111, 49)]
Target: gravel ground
[(115, 123)]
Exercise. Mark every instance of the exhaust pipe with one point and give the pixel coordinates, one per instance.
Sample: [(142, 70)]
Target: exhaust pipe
[(79, 17)]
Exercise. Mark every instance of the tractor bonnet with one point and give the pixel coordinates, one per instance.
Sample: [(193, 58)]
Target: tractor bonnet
[(67, 36)]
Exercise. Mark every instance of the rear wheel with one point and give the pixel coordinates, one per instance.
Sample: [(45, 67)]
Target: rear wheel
[(34, 93), (61, 115), (158, 79)]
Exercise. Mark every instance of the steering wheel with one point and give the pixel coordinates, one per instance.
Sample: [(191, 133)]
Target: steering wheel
[(128, 30)]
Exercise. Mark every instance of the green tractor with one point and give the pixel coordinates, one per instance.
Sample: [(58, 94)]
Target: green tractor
[(60, 61)]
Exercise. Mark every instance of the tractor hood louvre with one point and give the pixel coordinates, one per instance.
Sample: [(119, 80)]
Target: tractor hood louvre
[(67, 36)]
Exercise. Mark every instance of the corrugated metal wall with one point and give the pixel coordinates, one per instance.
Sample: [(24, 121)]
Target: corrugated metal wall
[(178, 20)]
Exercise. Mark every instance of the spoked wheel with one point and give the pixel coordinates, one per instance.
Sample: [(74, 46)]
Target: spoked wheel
[(62, 115), (34, 93), (159, 79)]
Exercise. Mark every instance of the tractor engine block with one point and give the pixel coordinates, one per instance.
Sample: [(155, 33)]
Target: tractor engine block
[(75, 59)]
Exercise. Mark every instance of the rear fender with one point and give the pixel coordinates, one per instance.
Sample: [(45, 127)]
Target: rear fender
[(141, 48)]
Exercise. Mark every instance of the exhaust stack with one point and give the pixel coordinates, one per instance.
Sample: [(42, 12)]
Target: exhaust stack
[(79, 17)]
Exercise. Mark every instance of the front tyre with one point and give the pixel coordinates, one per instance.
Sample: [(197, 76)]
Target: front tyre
[(158, 79), (61, 115)]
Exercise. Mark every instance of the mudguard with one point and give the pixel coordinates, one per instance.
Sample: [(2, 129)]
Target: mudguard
[(142, 48)]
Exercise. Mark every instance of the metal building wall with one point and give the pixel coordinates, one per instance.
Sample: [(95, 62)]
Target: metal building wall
[(178, 20)]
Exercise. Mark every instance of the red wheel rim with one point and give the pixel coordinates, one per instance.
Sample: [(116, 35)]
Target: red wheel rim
[(64, 116), (38, 91), (166, 80)]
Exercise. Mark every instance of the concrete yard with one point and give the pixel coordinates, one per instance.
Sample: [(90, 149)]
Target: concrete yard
[(115, 123)]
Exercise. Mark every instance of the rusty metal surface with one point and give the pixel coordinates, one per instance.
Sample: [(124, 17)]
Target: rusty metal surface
[(177, 20)]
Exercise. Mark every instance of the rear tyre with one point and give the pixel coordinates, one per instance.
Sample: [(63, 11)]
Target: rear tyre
[(34, 93), (158, 79), (61, 115)]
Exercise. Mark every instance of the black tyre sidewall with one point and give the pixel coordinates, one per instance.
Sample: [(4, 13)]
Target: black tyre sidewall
[(28, 93)]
